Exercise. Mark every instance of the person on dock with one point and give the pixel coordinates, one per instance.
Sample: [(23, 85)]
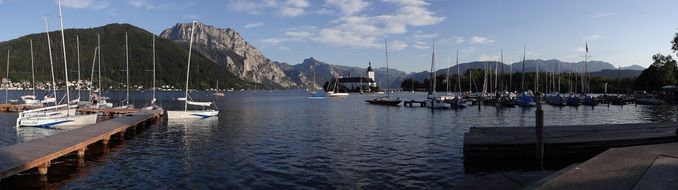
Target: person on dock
[(95, 97)]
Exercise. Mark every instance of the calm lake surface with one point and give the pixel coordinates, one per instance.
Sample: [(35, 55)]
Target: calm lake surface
[(282, 139)]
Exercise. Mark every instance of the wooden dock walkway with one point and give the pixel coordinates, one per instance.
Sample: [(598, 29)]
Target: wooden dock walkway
[(637, 167), (492, 148), (40, 152), (17, 107), (107, 111)]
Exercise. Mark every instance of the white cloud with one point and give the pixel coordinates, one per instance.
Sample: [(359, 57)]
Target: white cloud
[(422, 35), (421, 45), (459, 40), (603, 14), (465, 52), (254, 25), (481, 40), (349, 7), (86, 4), (254, 7), (593, 37), (324, 11), (397, 45), (580, 49), (293, 8), (146, 4), (283, 48), (363, 31)]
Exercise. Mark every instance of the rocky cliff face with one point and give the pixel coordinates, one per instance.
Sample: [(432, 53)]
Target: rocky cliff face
[(226, 46)]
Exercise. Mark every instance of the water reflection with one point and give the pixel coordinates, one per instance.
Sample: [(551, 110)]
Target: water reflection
[(282, 139)]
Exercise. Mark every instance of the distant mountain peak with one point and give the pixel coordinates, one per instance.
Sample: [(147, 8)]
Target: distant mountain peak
[(226, 46)]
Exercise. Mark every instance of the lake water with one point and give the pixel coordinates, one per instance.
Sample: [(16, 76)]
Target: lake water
[(282, 139)]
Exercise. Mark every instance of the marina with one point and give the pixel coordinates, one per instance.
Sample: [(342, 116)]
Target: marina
[(299, 94)]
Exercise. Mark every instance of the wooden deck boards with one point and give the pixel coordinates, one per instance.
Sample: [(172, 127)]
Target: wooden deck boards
[(20, 157), (490, 148)]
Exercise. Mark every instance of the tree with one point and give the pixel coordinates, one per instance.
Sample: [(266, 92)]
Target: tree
[(662, 72), (674, 44)]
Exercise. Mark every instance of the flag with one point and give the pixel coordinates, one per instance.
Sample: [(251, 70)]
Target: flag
[(587, 47)]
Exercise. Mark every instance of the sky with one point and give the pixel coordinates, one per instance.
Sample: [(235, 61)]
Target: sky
[(352, 32)]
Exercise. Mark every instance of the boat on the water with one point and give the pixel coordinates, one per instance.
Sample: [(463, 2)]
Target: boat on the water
[(386, 100), (183, 114), (434, 101)]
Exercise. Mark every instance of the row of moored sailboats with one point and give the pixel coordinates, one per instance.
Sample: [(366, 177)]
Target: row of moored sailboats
[(63, 113)]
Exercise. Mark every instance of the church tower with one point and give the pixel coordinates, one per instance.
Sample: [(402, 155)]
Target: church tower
[(370, 74)]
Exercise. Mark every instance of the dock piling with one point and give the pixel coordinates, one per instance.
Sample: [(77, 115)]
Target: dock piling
[(539, 129), (105, 140), (81, 152)]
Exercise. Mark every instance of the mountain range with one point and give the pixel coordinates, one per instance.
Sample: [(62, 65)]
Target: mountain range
[(220, 54)]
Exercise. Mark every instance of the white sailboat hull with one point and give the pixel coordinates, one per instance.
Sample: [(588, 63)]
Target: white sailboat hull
[(337, 94), (199, 114), (58, 121)]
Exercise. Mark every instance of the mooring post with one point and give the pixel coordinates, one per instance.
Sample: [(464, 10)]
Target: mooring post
[(105, 140), (539, 128), (42, 169), (81, 151)]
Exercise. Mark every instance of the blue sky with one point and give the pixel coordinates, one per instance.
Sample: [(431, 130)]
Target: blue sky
[(352, 32)]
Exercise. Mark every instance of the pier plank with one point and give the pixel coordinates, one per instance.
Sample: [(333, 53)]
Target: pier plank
[(20, 157), (489, 148)]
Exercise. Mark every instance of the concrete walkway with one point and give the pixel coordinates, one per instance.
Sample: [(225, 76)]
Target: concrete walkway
[(638, 167)]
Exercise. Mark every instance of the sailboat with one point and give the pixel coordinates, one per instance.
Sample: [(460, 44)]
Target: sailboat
[(191, 113), (69, 119), (126, 105), (386, 100), (48, 98), (434, 101), (555, 99), (456, 101), (153, 106), (316, 94), (525, 99), (31, 98), (335, 92), (217, 93), (587, 100)]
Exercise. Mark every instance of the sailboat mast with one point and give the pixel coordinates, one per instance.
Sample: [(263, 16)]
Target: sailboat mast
[(433, 71), (8, 81), (154, 71), (522, 82), (99, 61), (77, 42), (459, 74), (388, 87), (51, 62), (63, 43), (501, 62), (127, 69), (32, 67), (188, 66), (94, 61), (447, 78)]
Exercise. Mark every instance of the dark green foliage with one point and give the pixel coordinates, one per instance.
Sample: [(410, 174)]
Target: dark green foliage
[(661, 72), (170, 59)]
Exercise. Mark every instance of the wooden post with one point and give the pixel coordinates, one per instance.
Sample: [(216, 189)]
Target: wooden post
[(105, 140), (81, 152), (539, 129), (42, 169)]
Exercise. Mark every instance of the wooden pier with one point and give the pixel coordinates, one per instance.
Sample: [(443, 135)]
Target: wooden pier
[(637, 167), (107, 111), (17, 107), (39, 153), (412, 102), (496, 148)]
